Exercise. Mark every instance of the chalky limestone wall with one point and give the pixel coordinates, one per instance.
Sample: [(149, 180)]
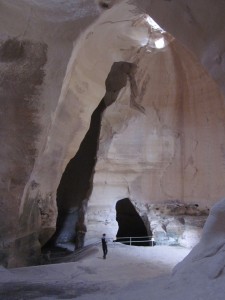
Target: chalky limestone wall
[(164, 156), (36, 41), (168, 155)]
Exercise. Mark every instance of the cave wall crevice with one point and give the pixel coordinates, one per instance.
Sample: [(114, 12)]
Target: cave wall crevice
[(76, 183)]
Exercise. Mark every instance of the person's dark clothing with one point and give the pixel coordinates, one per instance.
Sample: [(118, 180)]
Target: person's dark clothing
[(104, 247)]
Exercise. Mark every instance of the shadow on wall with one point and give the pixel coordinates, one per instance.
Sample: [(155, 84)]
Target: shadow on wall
[(77, 180), (22, 74)]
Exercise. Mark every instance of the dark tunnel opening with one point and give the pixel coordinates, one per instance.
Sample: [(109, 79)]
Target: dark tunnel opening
[(132, 230), (76, 183)]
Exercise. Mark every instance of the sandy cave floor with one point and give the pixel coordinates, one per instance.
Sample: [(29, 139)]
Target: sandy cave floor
[(92, 277)]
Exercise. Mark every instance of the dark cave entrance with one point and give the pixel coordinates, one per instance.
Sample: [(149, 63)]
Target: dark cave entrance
[(132, 230)]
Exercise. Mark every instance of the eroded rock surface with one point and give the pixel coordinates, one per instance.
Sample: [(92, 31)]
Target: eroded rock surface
[(161, 141)]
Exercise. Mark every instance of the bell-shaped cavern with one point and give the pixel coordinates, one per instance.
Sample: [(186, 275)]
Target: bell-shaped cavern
[(105, 105)]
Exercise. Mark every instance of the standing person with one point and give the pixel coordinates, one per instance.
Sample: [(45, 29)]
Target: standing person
[(104, 245)]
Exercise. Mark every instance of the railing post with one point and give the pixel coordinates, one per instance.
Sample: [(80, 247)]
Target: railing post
[(130, 240), (152, 240)]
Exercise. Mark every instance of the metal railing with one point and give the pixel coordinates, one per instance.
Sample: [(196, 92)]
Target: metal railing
[(61, 256), (136, 239)]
